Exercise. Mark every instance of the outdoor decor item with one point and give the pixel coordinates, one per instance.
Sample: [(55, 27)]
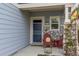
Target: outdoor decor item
[(55, 34), (75, 15), (57, 41), (47, 43)]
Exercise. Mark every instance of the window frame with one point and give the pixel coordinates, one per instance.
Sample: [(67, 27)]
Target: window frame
[(58, 19)]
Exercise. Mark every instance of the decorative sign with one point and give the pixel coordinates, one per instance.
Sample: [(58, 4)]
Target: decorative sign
[(48, 39), (55, 34), (75, 14)]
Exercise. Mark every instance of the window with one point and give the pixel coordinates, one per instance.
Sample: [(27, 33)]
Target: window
[(54, 23), (69, 11), (46, 25), (54, 26)]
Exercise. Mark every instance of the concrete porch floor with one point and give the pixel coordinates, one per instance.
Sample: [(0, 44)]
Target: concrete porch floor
[(35, 50)]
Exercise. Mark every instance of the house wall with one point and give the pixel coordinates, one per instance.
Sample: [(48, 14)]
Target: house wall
[(14, 29), (47, 15)]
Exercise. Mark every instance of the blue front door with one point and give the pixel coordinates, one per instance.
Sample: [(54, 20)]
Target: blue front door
[(37, 30)]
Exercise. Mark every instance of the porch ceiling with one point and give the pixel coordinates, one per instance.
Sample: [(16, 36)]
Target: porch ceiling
[(45, 8)]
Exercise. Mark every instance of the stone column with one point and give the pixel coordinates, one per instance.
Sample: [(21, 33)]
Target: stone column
[(69, 35)]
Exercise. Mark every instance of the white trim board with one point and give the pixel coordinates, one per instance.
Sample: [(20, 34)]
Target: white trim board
[(31, 27)]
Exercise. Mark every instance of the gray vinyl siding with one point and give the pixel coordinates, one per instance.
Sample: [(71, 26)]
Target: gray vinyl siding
[(14, 29), (47, 14)]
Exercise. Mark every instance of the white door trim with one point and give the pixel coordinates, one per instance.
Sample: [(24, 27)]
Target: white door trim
[(31, 27)]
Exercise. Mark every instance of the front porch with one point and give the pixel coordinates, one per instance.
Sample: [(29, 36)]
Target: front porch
[(27, 26), (42, 20), (35, 50)]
